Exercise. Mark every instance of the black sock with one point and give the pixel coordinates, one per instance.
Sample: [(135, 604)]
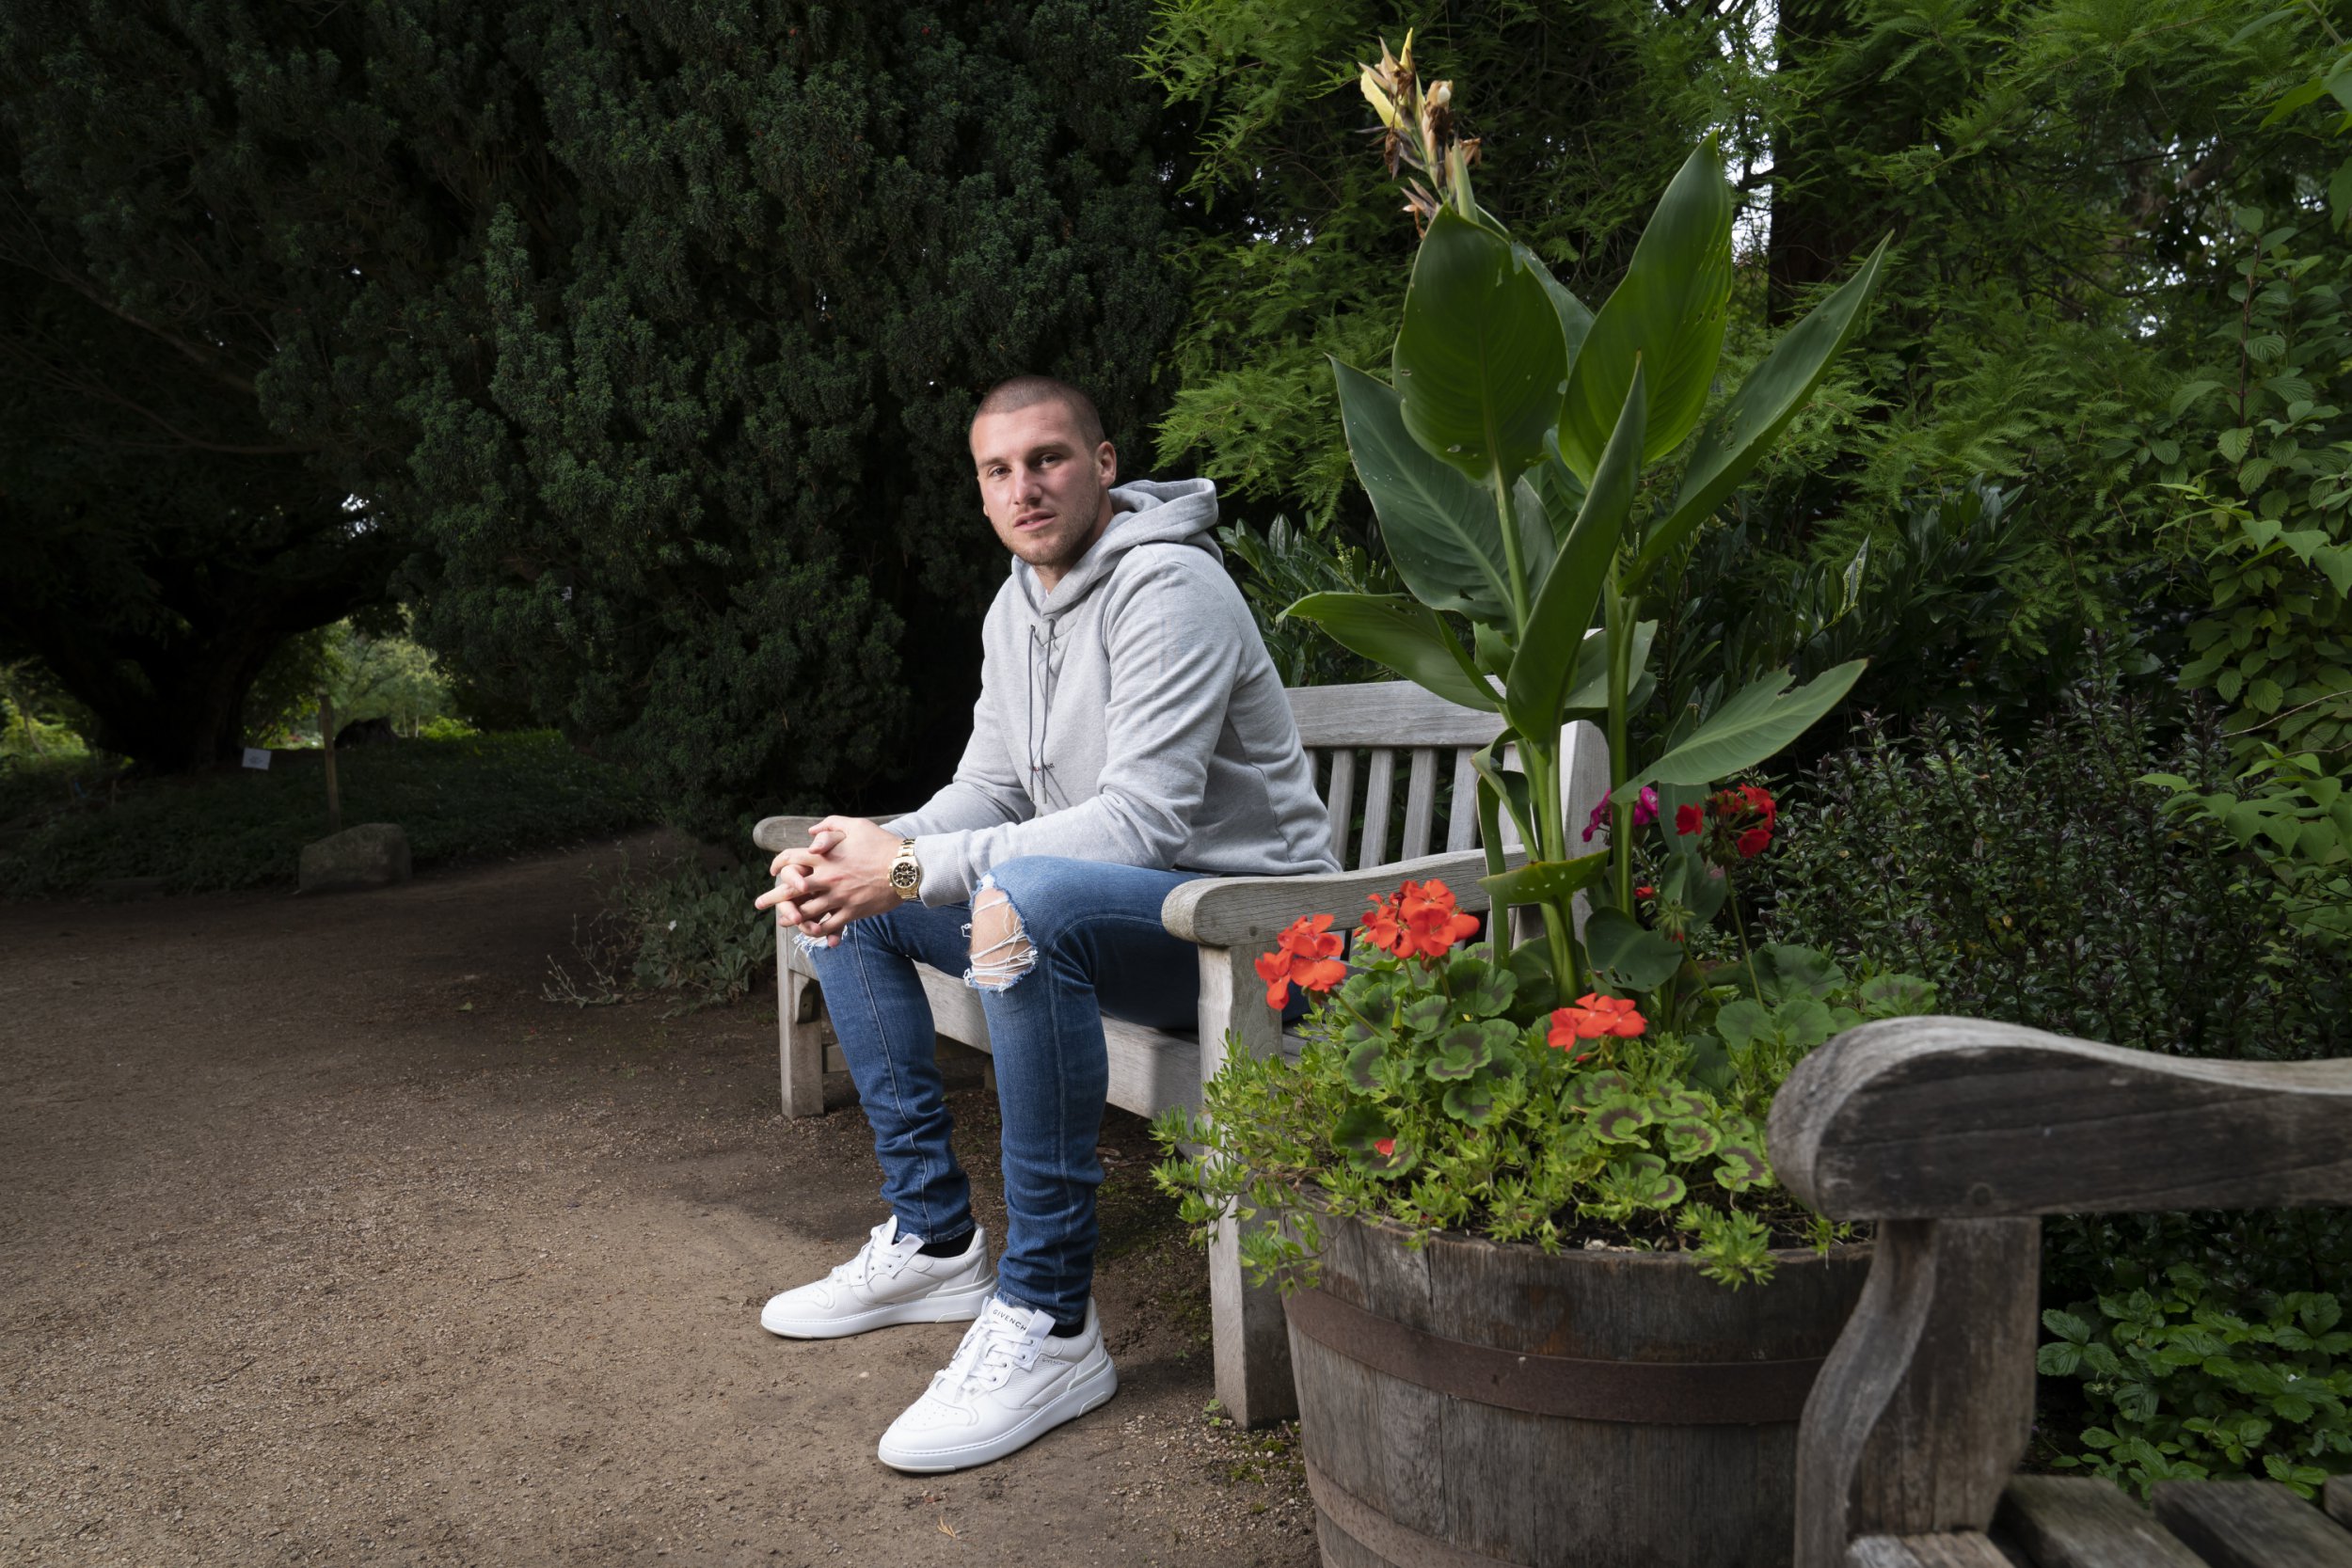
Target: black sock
[(949, 1246), (1069, 1331)]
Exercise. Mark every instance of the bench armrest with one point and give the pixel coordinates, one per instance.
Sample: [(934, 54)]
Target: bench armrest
[(1235, 911), (1963, 1118)]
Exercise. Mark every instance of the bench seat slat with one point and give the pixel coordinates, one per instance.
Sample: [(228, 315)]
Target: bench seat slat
[(2083, 1522), (1961, 1549), (2251, 1523)]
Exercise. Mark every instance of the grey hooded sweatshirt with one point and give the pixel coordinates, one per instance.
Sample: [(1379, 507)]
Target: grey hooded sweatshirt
[(1132, 716)]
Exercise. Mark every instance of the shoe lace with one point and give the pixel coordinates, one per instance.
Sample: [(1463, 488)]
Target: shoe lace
[(886, 1251), (1000, 1340)]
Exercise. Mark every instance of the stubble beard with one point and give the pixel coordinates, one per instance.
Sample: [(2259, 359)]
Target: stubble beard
[(1060, 553)]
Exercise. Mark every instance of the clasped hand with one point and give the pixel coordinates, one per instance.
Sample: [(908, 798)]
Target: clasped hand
[(843, 875)]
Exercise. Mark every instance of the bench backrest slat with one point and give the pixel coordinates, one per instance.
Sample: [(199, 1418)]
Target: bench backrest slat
[(1378, 722)]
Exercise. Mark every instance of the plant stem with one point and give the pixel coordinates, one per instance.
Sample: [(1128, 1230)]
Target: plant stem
[(1740, 928), (1619, 631), (1515, 568)]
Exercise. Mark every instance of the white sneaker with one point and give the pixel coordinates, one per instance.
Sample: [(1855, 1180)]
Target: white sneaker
[(889, 1281), (1010, 1382)]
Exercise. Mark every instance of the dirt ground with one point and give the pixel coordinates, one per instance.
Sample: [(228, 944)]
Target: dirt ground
[(325, 1239)]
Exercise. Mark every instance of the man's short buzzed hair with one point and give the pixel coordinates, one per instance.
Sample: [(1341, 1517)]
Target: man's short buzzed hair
[(1011, 397)]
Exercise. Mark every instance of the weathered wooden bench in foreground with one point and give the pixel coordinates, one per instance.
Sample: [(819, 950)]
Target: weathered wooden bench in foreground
[(1231, 919), (1953, 1134)]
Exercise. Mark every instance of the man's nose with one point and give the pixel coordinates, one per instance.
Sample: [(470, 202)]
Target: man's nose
[(1027, 484)]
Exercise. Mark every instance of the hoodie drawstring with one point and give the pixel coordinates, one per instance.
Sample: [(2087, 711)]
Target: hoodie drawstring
[(1041, 714)]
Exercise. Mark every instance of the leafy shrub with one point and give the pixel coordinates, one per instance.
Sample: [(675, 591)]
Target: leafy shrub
[(456, 800), (2046, 885), (685, 931), (1286, 565), (2185, 1386), (2272, 524)]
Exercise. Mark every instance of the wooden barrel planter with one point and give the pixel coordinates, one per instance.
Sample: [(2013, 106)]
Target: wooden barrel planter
[(1476, 1405)]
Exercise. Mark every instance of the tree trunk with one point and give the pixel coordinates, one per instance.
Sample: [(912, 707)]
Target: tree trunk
[(1817, 224)]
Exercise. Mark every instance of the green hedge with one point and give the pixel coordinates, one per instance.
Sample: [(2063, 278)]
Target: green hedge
[(65, 830)]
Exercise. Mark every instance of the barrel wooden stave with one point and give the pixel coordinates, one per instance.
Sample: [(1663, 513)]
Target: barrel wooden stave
[(1433, 1474)]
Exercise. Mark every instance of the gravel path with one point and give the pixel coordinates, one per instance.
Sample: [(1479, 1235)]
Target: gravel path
[(325, 1239)]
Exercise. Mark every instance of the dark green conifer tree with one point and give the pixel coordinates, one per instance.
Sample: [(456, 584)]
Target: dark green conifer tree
[(656, 325)]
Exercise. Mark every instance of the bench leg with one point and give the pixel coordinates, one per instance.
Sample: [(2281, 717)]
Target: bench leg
[(1253, 1347), (800, 1036)]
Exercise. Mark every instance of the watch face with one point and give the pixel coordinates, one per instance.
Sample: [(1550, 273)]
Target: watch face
[(904, 876)]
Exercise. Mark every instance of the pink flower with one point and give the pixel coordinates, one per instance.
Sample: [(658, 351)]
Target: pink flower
[(1644, 812)]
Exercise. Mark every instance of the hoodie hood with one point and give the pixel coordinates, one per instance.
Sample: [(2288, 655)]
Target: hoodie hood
[(1148, 511)]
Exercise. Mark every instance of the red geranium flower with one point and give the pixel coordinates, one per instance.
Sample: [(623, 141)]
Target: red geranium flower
[(1381, 928), (1384, 1147), (1689, 819), (1422, 920), (1594, 1017), (1751, 844), (1306, 955)]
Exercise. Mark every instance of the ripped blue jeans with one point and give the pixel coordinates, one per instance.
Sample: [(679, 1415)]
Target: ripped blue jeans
[(1089, 941)]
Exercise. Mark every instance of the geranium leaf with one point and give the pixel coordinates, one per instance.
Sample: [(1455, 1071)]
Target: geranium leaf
[(1359, 1127), (1423, 1015), (1471, 1100), (1460, 1052), (1741, 1168)]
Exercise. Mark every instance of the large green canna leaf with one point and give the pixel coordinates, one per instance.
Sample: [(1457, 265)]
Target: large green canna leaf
[(1480, 358), (1628, 953), (1667, 315), (1588, 689), (1759, 720), (1538, 544), (1545, 664), (1408, 638), (1736, 438), (1575, 317), (1546, 882), (1441, 528)]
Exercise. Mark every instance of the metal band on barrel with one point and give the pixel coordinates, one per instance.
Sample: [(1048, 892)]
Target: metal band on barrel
[(1387, 1538), (1647, 1393)]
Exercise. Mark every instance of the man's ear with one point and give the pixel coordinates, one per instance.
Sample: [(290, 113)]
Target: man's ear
[(1106, 464)]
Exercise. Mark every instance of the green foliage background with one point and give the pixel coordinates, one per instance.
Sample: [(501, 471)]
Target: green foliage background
[(652, 328), (2060, 177)]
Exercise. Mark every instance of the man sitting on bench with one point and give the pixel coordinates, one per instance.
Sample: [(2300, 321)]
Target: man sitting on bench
[(1130, 734)]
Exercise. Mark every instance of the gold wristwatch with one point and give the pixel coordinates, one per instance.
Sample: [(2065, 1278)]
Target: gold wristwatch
[(906, 873)]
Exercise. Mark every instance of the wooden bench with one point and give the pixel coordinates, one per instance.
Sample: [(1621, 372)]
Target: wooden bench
[(1953, 1136), (1360, 736)]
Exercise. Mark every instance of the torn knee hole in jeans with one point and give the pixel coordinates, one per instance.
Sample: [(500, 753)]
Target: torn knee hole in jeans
[(1001, 951)]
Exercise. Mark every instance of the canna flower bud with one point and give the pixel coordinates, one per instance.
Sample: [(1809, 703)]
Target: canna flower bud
[(1382, 104)]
